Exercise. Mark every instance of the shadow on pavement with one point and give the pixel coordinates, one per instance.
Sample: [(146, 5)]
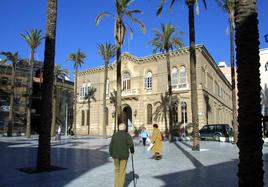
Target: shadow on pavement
[(77, 162)]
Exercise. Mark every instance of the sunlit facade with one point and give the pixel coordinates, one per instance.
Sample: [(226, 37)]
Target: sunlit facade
[(144, 83)]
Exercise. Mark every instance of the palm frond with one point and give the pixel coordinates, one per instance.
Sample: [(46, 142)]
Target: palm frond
[(77, 58), (160, 8), (100, 16)]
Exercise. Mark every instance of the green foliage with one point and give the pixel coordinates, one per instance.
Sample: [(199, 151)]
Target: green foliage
[(107, 51), (166, 38), (60, 73), (90, 95), (162, 3), (77, 58), (33, 38), (12, 57), (122, 14)]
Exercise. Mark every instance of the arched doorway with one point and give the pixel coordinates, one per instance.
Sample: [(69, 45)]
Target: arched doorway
[(127, 117)]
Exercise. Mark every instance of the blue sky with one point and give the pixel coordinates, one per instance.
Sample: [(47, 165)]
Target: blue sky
[(76, 27)]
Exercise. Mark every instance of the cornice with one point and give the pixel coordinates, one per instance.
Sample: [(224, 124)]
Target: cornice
[(141, 60)]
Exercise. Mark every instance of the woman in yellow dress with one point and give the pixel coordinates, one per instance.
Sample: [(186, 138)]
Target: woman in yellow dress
[(156, 139)]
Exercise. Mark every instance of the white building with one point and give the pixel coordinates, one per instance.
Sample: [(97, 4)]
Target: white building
[(264, 80)]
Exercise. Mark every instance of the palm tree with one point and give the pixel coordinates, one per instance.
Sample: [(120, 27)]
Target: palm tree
[(107, 51), (13, 58), (228, 7), (58, 73), (250, 143), (121, 27), (78, 59), (112, 99), (43, 155), (165, 40), (194, 105), (33, 39), (161, 110), (90, 95)]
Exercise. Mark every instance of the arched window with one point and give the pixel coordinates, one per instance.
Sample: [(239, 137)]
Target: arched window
[(149, 114), (83, 118), (126, 81), (148, 81), (266, 66), (184, 112), (182, 77), (174, 77)]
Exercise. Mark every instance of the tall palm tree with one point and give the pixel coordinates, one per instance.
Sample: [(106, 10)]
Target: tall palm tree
[(112, 99), (107, 51), (90, 95), (78, 59), (250, 143), (33, 39), (43, 155), (194, 105), (228, 7), (13, 58), (120, 28), (165, 40), (58, 73)]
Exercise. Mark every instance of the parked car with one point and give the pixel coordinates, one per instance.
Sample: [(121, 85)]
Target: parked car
[(215, 131)]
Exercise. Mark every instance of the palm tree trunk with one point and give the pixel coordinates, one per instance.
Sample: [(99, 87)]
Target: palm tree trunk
[(29, 100), (250, 143), (119, 82), (166, 125), (75, 103), (43, 154), (104, 101), (233, 80), (11, 102), (194, 105), (54, 106), (170, 113)]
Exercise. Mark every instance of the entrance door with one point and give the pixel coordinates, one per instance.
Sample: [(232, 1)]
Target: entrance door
[(127, 117)]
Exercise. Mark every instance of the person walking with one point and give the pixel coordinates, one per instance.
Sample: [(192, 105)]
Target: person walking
[(144, 135), (58, 135), (121, 144), (157, 140)]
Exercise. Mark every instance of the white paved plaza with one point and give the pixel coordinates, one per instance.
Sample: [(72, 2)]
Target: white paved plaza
[(87, 163)]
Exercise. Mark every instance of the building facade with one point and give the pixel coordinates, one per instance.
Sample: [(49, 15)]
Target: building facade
[(264, 80), (144, 90), (63, 98)]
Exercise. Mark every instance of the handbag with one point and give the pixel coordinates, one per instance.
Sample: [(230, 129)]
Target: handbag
[(150, 146)]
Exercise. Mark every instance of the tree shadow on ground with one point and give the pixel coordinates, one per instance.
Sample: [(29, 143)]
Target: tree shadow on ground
[(77, 161), (222, 174)]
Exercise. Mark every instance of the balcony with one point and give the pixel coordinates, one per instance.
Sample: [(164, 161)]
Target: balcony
[(130, 92), (180, 87)]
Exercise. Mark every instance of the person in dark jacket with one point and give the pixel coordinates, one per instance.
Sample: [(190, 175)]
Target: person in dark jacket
[(121, 144)]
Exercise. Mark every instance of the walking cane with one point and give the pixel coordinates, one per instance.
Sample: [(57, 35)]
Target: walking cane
[(133, 170)]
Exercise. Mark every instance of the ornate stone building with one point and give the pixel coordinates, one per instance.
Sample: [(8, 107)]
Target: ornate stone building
[(144, 84)]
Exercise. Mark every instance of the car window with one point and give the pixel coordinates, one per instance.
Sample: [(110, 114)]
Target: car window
[(211, 128), (204, 128), (220, 127)]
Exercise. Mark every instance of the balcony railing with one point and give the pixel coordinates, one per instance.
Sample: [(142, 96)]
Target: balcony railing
[(130, 92)]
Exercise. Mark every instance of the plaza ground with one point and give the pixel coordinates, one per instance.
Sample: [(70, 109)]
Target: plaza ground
[(87, 163)]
